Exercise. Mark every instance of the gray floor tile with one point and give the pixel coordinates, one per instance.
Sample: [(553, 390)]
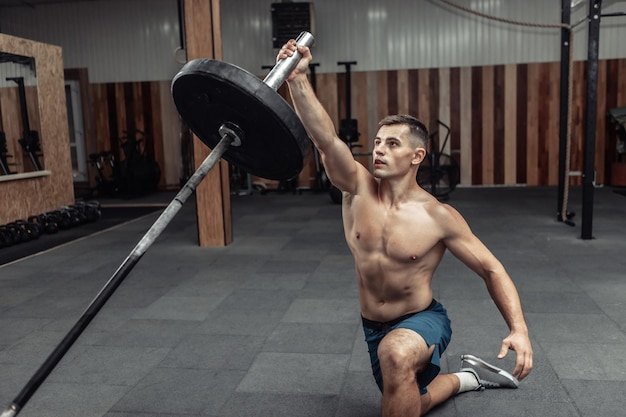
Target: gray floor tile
[(597, 398), (73, 400), (252, 404), (323, 311), (296, 373), (575, 328), (180, 391), (150, 333), (240, 322), (587, 361), (180, 308), (311, 338), (214, 352)]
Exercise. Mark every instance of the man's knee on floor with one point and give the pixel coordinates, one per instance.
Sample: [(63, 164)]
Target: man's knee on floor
[(402, 354)]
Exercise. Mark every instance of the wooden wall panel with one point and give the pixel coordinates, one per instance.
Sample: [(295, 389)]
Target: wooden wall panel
[(601, 127), (499, 90), (553, 137), (504, 119), (521, 122), (578, 114), (101, 117), (532, 116), (466, 125), (392, 93), (382, 81), (423, 102), (477, 131), (610, 154), (542, 144), (488, 126), (455, 115), (509, 134), (360, 94), (121, 108), (414, 89), (170, 134), (443, 110), (372, 108), (403, 91)]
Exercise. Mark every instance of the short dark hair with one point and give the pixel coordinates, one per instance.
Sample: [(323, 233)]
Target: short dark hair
[(416, 128)]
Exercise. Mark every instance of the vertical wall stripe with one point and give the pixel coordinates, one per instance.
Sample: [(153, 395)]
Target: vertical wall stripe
[(610, 154), (543, 145), (392, 92), (383, 98), (171, 128), (498, 119), (414, 89), (433, 98), (522, 122), (600, 129), (341, 96), (578, 111), (510, 132), (488, 110), (621, 81), (466, 125), (455, 116), (533, 134), (477, 131), (444, 101), (403, 91), (327, 93), (360, 112), (423, 80), (553, 167), (372, 110)]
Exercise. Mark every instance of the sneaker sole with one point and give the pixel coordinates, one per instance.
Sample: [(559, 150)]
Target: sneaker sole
[(479, 363)]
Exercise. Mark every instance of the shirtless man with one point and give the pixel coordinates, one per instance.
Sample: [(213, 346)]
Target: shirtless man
[(398, 234)]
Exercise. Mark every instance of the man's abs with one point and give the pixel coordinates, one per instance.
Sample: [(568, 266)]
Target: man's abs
[(386, 297)]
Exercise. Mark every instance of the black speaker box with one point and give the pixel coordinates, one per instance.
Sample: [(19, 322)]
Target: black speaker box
[(289, 19)]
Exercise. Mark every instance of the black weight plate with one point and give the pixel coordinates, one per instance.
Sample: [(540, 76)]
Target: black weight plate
[(208, 93)]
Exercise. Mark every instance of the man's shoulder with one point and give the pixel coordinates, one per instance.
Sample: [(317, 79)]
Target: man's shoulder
[(442, 213)]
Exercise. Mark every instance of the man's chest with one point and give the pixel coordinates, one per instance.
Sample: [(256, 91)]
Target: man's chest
[(402, 234)]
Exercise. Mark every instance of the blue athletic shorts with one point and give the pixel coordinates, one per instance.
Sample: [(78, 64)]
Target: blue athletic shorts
[(432, 324)]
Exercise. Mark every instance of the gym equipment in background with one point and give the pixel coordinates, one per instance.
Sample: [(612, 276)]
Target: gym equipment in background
[(439, 173), (30, 138), (4, 163)]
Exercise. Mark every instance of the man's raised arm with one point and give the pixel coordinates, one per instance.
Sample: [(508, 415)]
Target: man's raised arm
[(338, 161)]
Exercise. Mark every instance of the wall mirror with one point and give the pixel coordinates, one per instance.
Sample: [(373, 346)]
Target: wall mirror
[(20, 141)]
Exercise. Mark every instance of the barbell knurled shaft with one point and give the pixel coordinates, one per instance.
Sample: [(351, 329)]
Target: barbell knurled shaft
[(118, 277)]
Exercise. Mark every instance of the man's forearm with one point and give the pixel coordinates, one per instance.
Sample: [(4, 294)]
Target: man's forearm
[(316, 120), (506, 297)]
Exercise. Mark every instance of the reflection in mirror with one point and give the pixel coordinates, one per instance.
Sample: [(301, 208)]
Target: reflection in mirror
[(20, 147)]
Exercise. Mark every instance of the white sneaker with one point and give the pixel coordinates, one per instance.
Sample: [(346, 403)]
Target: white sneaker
[(489, 376)]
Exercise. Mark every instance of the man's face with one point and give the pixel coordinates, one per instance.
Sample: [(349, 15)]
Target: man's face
[(394, 152)]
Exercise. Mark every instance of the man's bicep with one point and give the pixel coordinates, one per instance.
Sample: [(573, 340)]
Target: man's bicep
[(465, 246), (340, 166)]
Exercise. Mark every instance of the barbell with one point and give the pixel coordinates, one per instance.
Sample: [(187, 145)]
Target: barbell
[(242, 119)]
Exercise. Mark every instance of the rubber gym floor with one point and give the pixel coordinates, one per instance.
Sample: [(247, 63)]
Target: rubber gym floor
[(270, 325)]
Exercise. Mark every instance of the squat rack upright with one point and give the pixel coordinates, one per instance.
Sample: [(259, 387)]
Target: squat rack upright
[(589, 151)]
